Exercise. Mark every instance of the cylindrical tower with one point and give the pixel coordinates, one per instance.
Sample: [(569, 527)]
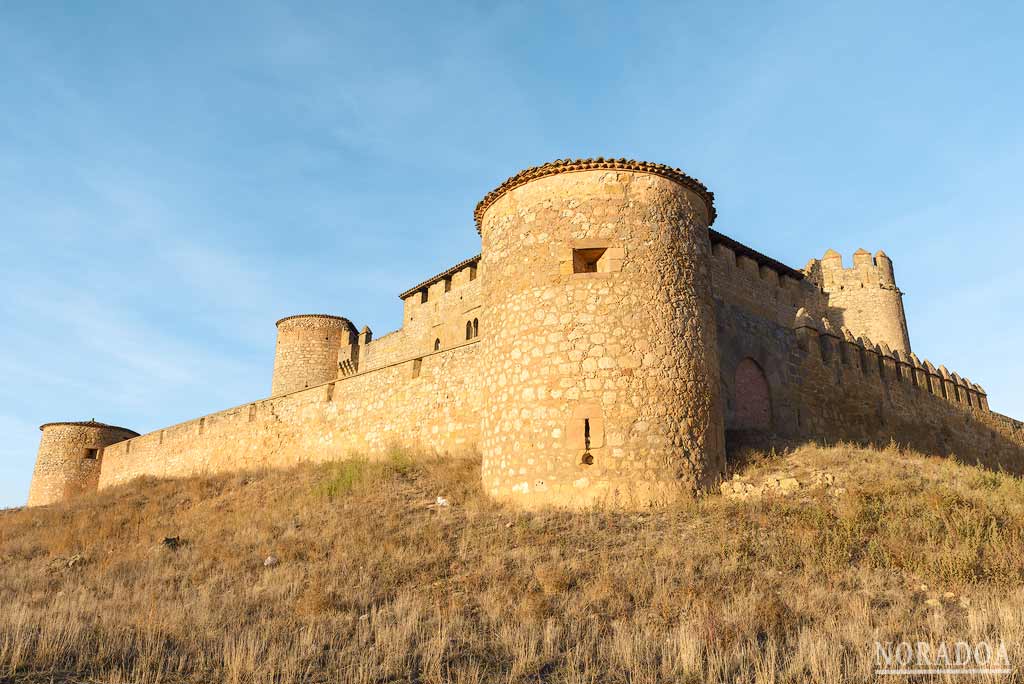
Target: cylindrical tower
[(892, 318), (69, 459), (307, 350), (865, 298), (601, 358)]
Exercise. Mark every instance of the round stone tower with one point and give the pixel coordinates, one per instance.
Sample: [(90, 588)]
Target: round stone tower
[(307, 350), (68, 463), (601, 359), (865, 298), (892, 318)]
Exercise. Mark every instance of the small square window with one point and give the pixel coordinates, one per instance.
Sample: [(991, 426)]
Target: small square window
[(590, 260), (92, 454)]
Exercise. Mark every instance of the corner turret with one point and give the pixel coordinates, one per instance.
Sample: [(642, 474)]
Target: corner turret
[(309, 350), (69, 459), (863, 298)]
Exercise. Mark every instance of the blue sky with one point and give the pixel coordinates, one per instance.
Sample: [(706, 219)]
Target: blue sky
[(174, 177)]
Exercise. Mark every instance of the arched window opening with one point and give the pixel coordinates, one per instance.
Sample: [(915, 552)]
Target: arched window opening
[(469, 330), (476, 327), (437, 344), (753, 397)]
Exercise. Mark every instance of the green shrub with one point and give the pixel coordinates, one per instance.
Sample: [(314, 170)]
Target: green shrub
[(343, 478)]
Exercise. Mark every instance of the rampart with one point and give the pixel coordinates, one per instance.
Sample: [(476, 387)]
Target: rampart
[(606, 345), (430, 403), (760, 285)]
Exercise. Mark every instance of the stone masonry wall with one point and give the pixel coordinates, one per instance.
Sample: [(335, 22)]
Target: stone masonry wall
[(442, 317), (431, 403), (601, 375), (741, 281), (69, 460), (829, 388), (849, 392)]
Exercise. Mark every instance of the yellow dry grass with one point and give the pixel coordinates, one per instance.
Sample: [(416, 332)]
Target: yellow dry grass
[(374, 585)]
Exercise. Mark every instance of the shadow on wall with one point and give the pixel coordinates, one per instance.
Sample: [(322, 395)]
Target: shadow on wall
[(741, 445)]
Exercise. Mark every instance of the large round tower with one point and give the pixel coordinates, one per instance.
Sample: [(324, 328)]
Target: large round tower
[(68, 463), (601, 362), (307, 350)]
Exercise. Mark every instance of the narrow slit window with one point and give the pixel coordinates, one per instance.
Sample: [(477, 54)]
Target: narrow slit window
[(437, 344), (587, 458)]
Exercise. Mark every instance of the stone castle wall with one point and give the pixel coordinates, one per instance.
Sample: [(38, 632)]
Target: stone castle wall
[(453, 299), (829, 387), (849, 392), (762, 289), (429, 403), (603, 347)]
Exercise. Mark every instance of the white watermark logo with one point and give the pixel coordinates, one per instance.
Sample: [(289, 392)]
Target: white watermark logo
[(943, 658)]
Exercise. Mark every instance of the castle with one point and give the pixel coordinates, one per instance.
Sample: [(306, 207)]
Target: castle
[(604, 346)]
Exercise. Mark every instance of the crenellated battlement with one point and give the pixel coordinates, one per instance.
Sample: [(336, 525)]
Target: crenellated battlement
[(829, 272), (822, 342), (744, 277)]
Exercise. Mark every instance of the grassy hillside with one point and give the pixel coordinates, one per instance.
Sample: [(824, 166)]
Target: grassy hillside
[(372, 583)]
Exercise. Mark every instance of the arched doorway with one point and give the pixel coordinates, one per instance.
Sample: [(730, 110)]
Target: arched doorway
[(753, 399)]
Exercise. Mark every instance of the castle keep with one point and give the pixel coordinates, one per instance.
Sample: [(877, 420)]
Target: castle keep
[(605, 346)]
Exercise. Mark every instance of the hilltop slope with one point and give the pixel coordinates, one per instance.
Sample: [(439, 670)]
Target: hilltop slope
[(369, 580)]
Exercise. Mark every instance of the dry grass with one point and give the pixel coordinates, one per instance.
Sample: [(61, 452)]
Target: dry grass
[(373, 585)]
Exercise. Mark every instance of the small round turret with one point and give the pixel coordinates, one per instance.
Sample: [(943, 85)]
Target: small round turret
[(307, 350), (69, 459), (865, 298), (886, 275)]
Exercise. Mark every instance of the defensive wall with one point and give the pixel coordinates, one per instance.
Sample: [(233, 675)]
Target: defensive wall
[(606, 345), (807, 381), (429, 403)]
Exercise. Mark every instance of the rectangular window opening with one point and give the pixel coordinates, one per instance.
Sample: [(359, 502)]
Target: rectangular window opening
[(92, 454), (424, 296), (448, 284), (590, 260)]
